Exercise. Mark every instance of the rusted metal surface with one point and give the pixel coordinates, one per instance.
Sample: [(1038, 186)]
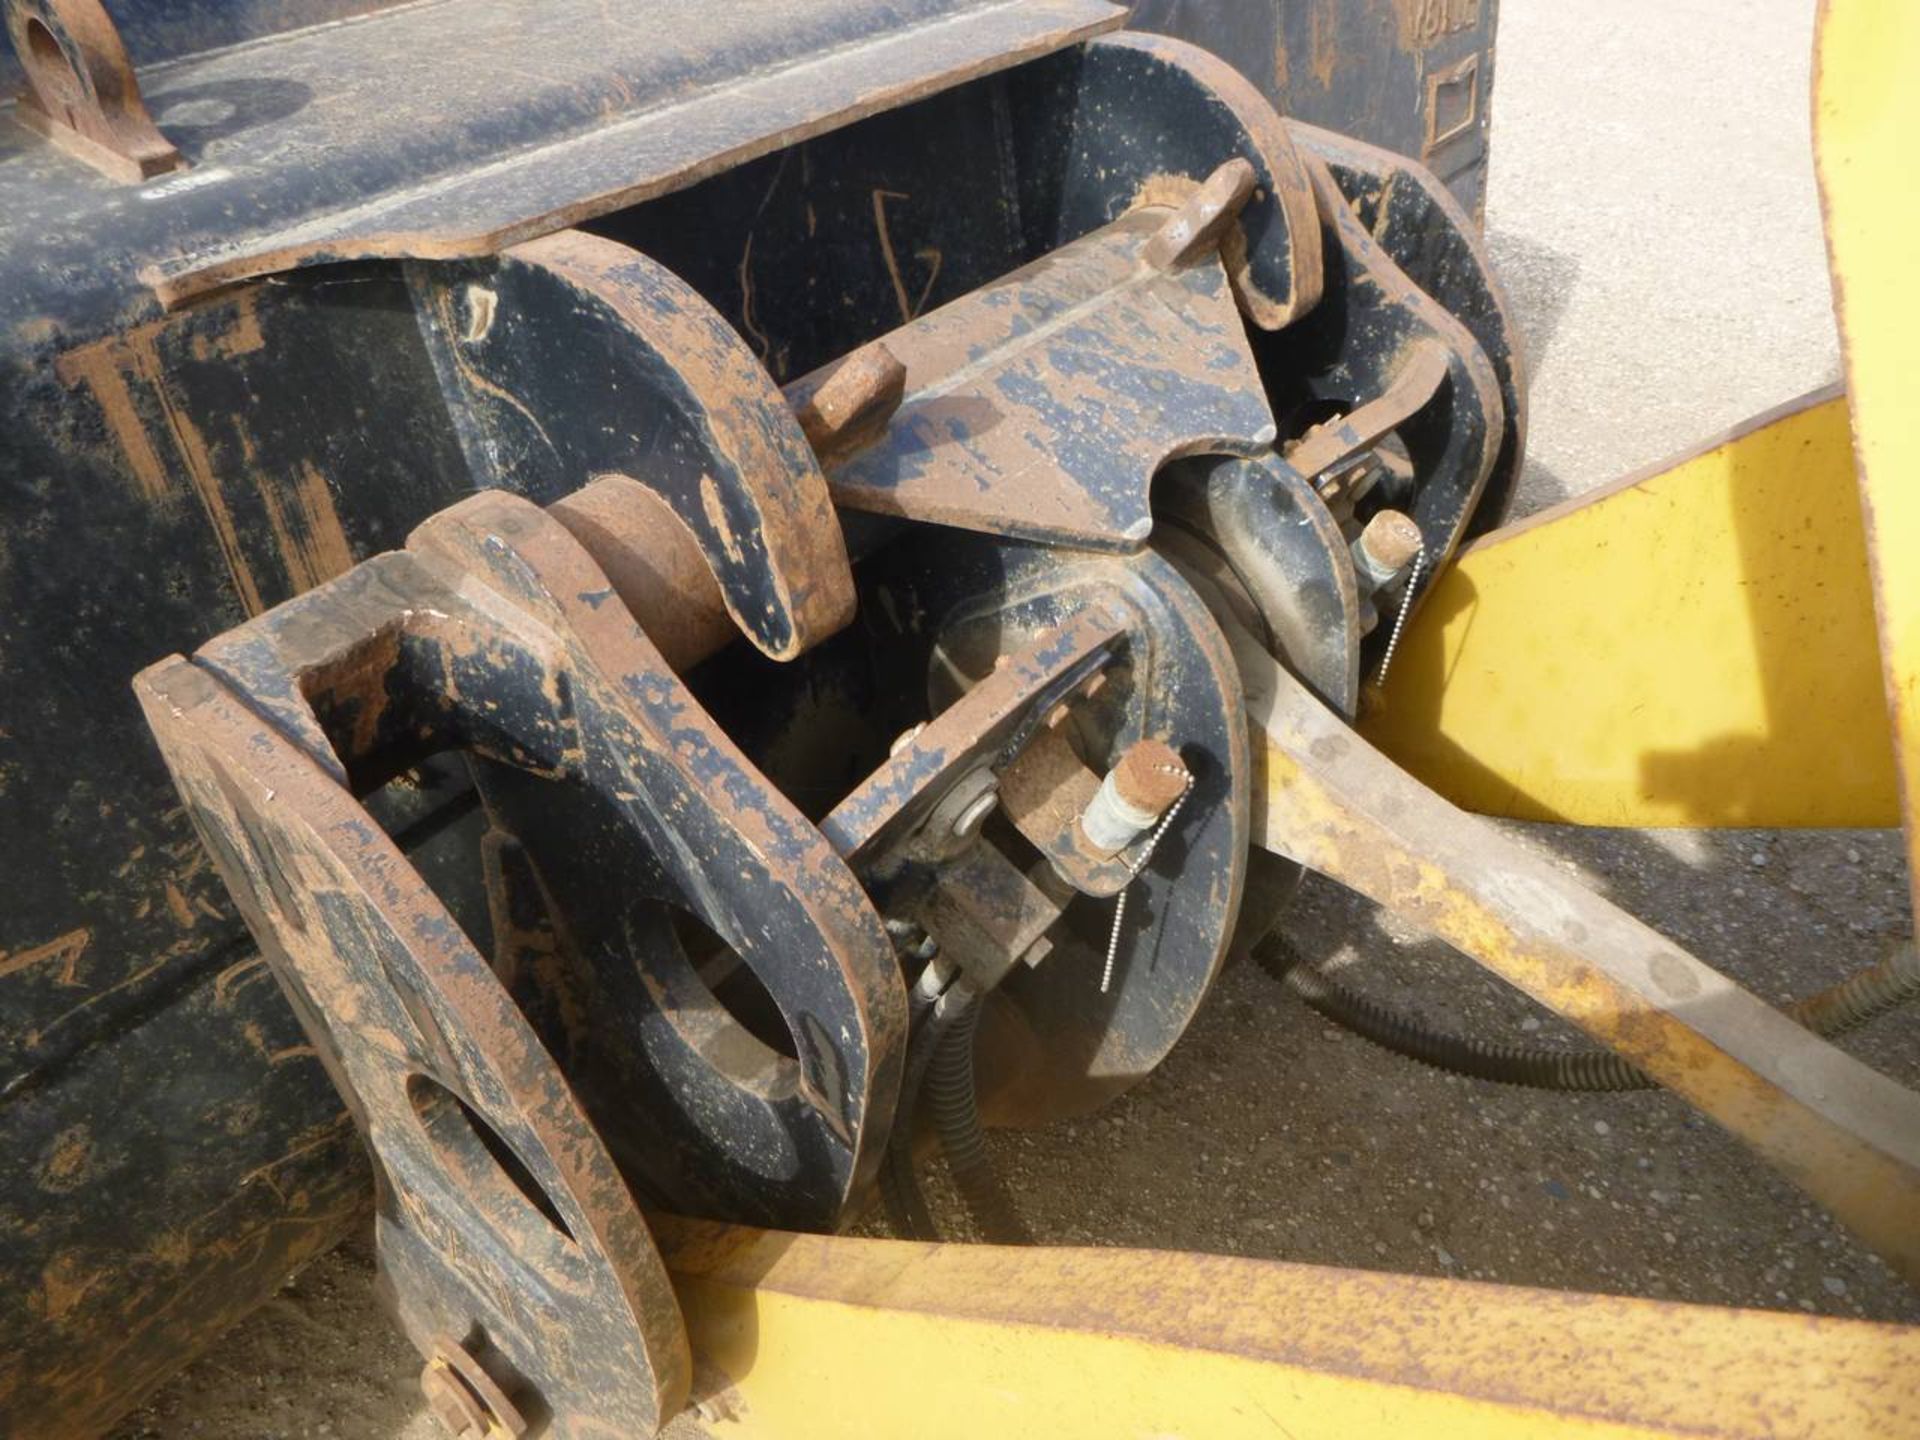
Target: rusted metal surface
[(81, 90), (1408, 389), (201, 470), (1197, 227), (1389, 543), (1042, 405), (987, 726), (1846, 1135), (208, 463), (654, 564), (989, 916), (698, 824), (1157, 117), (623, 125), (1044, 792), (495, 631), (1380, 335), (1254, 536), (1411, 76), (573, 356), (465, 1399), (854, 401), (948, 607), (1435, 244), (435, 1061), (1150, 777)]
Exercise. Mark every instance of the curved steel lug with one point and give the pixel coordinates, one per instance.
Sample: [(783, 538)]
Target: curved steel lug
[(572, 356), (1154, 118), (81, 90), (1416, 220), (498, 1206), (1370, 354)]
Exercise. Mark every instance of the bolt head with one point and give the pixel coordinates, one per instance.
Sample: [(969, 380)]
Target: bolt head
[(975, 815)]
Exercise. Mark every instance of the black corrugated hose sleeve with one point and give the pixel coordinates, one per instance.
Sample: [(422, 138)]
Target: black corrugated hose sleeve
[(1829, 1013), (899, 1183), (956, 1118)]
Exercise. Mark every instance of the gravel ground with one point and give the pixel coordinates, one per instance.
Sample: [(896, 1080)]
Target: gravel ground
[(1653, 214)]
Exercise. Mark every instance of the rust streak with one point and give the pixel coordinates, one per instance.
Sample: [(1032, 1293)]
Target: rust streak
[(193, 454), (178, 907), (66, 948), (306, 528), (36, 1035), (880, 198), (98, 367)]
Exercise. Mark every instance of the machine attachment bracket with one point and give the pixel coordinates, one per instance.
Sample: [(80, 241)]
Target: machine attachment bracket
[(515, 1108), (81, 90)]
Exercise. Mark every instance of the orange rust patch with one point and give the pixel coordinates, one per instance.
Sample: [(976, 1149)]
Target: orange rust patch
[(243, 337), (99, 367), (178, 907), (1422, 22), (63, 1284), (67, 1162), (1323, 41), (192, 450), (306, 528)]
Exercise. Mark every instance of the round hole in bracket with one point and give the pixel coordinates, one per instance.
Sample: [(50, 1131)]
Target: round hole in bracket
[(482, 1163), (720, 1009), (49, 66), (732, 983)]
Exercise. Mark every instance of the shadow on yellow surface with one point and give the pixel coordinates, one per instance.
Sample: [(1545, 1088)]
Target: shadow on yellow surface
[(1692, 645)]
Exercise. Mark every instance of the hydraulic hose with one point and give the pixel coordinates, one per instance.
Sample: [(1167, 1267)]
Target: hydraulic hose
[(1829, 1013), (943, 1014), (955, 1104), (931, 1011)]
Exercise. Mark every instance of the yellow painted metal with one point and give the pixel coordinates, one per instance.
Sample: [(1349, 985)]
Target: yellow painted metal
[(813, 1336), (1693, 645), (1323, 797), (1866, 120)]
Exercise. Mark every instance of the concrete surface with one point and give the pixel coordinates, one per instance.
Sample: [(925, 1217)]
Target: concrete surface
[(1653, 212)]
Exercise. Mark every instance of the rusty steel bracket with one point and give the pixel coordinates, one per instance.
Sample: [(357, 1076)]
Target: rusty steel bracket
[(988, 726), (1257, 529), (81, 90), (510, 1137), (573, 356), (498, 1207), (1029, 647), (1847, 1136), (1381, 360), (1041, 406), (1126, 141), (1420, 227)]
